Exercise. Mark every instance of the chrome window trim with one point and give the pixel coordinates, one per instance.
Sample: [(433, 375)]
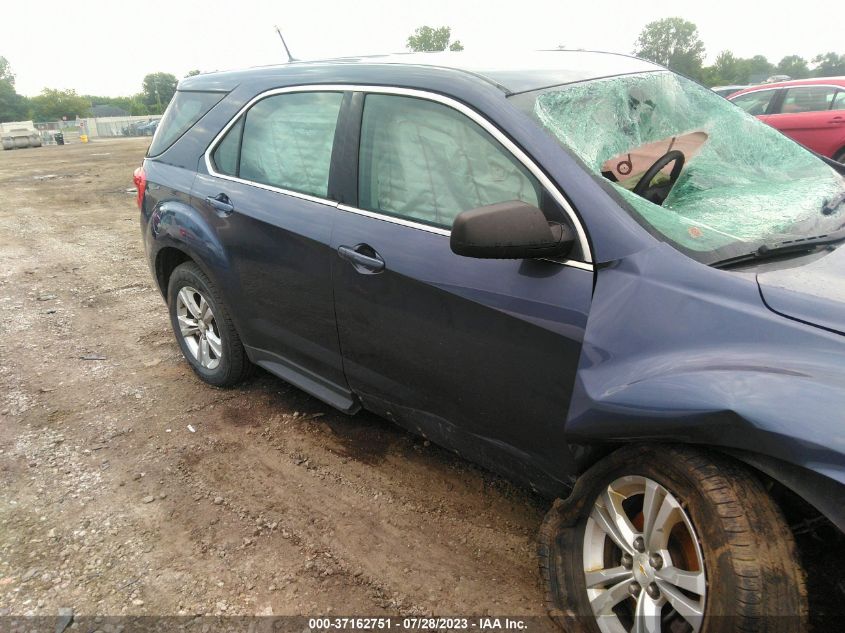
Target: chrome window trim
[(396, 220), (749, 92), (491, 129), (757, 89), (836, 88), (444, 232), (773, 88)]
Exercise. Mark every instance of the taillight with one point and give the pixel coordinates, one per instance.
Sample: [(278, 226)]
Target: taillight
[(140, 179)]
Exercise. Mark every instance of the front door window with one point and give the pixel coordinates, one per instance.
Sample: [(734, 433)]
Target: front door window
[(423, 161)]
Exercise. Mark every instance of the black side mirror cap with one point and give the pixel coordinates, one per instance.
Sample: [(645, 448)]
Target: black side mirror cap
[(509, 230)]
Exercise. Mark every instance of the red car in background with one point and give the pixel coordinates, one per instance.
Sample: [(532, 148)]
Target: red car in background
[(810, 111)]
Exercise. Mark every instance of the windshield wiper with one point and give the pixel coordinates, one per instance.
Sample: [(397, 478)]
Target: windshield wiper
[(798, 245), (832, 205)]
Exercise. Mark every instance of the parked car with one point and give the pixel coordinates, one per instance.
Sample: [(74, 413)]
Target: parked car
[(810, 111), (131, 128), (579, 269), (776, 78), (148, 128), (727, 91)]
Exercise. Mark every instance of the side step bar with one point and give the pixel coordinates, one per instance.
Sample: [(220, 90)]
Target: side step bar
[(331, 393)]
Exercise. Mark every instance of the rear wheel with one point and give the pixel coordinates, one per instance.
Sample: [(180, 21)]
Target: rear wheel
[(203, 328), (676, 540)]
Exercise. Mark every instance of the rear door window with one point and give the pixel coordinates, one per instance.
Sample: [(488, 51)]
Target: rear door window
[(184, 110), (427, 162), (756, 102), (807, 99), (287, 141)]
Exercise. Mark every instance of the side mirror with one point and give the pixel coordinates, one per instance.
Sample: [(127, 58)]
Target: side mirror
[(509, 230)]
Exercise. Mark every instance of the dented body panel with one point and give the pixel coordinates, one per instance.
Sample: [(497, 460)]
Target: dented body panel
[(679, 352), (535, 369)]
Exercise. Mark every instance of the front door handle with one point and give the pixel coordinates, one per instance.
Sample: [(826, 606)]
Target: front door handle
[(837, 120), (221, 203), (363, 258)]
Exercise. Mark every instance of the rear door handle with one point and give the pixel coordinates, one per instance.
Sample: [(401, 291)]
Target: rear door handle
[(221, 203), (837, 120), (363, 258)]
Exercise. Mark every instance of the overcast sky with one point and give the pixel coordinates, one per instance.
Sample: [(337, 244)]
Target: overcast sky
[(106, 48)]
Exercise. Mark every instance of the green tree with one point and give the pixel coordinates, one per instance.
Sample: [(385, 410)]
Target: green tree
[(13, 107), (674, 43), (52, 105), (426, 38), (829, 65), (6, 73), (158, 90), (726, 70), (756, 69), (793, 65), (192, 73), (118, 102), (133, 105), (137, 107)]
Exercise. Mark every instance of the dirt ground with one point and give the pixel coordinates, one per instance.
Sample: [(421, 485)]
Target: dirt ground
[(127, 486), (273, 503)]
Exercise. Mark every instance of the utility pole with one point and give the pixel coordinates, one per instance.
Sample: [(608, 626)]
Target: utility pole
[(158, 96)]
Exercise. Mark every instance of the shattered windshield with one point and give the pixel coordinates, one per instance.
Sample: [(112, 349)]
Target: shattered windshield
[(711, 179)]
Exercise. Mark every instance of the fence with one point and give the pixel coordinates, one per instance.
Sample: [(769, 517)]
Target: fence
[(99, 127), (69, 129), (121, 126)]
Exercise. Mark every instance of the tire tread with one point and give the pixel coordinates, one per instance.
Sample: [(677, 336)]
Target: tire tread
[(760, 548)]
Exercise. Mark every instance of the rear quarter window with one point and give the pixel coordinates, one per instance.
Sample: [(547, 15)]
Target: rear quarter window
[(184, 111), (756, 102)]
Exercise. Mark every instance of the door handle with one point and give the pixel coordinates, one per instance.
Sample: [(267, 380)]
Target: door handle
[(221, 203), (363, 258), (837, 120)]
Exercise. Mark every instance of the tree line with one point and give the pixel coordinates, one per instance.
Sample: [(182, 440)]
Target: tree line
[(676, 44), (52, 104), (672, 42)]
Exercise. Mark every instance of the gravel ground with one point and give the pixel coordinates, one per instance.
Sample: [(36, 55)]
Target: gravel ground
[(274, 503)]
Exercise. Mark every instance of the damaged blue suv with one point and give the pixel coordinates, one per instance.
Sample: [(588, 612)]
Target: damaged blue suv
[(578, 269)]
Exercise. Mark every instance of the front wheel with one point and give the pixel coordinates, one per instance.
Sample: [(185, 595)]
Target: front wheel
[(669, 539)]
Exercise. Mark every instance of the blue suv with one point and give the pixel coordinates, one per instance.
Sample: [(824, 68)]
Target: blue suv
[(578, 269)]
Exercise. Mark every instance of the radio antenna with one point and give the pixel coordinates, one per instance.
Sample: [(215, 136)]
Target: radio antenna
[(287, 50)]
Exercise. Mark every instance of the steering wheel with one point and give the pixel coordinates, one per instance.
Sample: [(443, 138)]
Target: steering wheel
[(644, 189)]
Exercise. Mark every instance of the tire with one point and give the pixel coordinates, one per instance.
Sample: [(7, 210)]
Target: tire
[(751, 580), (213, 347)]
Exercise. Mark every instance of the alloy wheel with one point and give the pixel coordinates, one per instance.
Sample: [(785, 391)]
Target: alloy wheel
[(643, 564), (198, 327)]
